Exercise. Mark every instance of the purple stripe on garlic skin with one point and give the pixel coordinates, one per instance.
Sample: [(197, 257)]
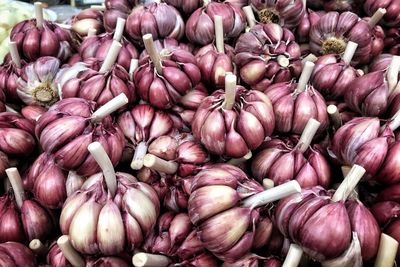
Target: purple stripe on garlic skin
[(228, 231), (16, 254), (346, 26), (129, 207), (165, 21), (37, 85), (33, 42), (69, 144), (242, 117), (87, 19), (391, 18), (162, 79), (200, 25), (282, 12), (267, 54), (97, 47)]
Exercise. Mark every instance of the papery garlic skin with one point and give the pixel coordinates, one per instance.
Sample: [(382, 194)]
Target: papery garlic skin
[(111, 224), (37, 86), (200, 25), (244, 127), (284, 13), (33, 43), (165, 21), (267, 54)]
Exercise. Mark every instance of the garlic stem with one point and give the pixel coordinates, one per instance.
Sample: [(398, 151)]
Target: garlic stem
[(348, 54), (376, 17), (219, 34), (293, 257), (305, 76), (334, 114), (37, 246), (160, 165), (393, 72), (283, 61), (14, 54), (395, 121), (140, 152), (109, 107), (310, 57), (134, 65), (111, 56), (150, 260), (272, 194), (39, 14), (251, 19), (119, 29), (268, 183), (349, 183), (308, 134), (16, 183), (101, 157), (238, 161), (69, 252), (230, 90), (345, 170), (91, 32), (387, 251), (152, 51)]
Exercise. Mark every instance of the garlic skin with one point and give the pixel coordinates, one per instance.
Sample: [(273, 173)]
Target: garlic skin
[(67, 136), (131, 214), (186, 7), (370, 94), (360, 141), (245, 126), (87, 19), (9, 75), (32, 221), (367, 229), (391, 41), (386, 210), (267, 54), (332, 76), (169, 44), (34, 43), (345, 27), (97, 46), (2, 101), (323, 228), (16, 254), (47, 182), (284, 13), (180, 74), (163, 14), (169, 237), (84, 80), (37, 85), (200, 25), (391, 18), (17, 135), (215, 65), (225, 230), (56, 258), (343, 5), (309, 169), (294, 108)]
